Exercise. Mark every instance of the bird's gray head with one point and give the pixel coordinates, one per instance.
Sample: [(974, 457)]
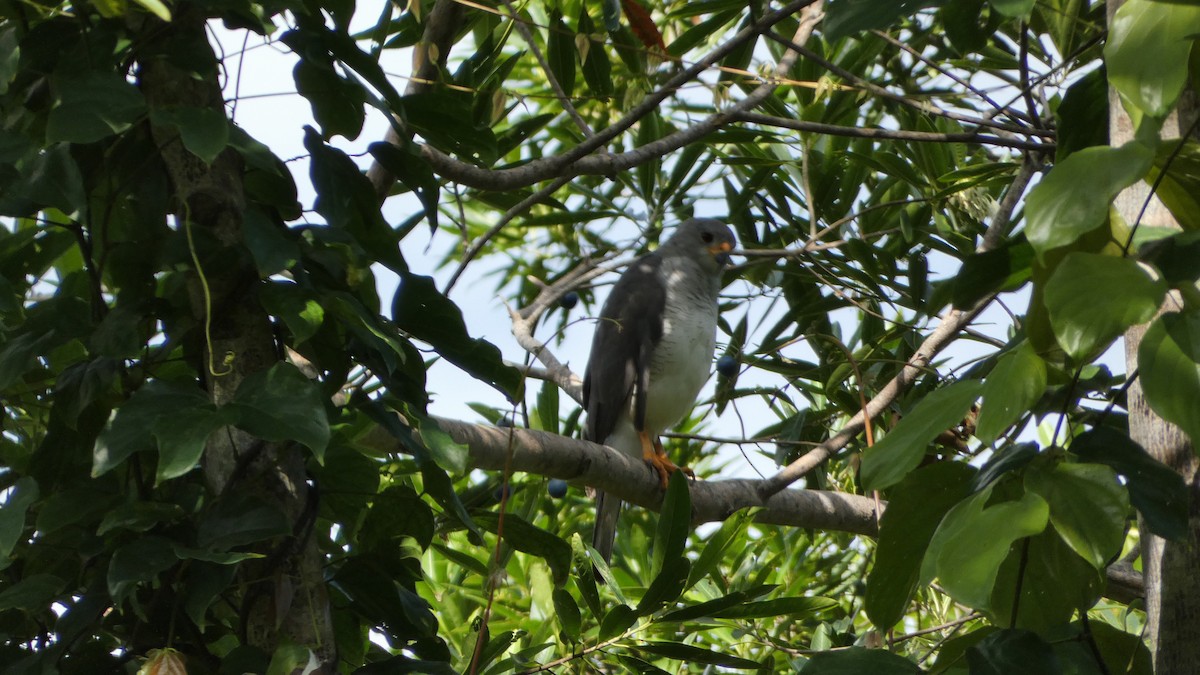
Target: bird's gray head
[(706, 240)]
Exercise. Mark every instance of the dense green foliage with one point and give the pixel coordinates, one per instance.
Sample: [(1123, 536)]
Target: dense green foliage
[(879, 187)]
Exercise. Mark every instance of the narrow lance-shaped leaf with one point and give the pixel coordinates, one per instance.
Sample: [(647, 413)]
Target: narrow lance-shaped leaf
[(560, 52)]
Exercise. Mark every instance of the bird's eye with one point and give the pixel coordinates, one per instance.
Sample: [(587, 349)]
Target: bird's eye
[(706, 237)]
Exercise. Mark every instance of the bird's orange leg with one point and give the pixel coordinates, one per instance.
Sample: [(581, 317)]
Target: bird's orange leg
[(653, 454)]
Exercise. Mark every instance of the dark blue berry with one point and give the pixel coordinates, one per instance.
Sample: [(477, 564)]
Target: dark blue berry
[(502, 492), (727, 365), (557, 488), (569, 300)]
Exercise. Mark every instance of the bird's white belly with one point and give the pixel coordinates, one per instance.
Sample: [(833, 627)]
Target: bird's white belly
[(681, 365)]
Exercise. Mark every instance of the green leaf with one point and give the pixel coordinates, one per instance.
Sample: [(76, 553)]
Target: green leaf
[(712, 607), (848, 17), (10, 56), (1012, 651), (398, 512), (617, 621), (91, 106), (1147, 54), (154, 411), (1082, 117), (337, 103), (1013, 386), (427, 315), (296, 306), (1088, 507), (1046, 582), (406, 165), (888, 461), (138, 562), (915, 507), (567, 612), (973, 540), (962, 21), (204, 131), (155, 7), (1004, 460), (52, 178), (205, 582), (12, 516), (346, 199), (547, 407), (1169, 367), (674, 523), (690, 654), (1013, 8), (282, 404), (857, 661), (1177, 257), (666, 586), (1155, 490), (138, 517), (560, 52), (289, 659), (1122, 652), (1179, 190), (82, 504), (444, 450), (1093, 298), (713, 549), (788, 606), (237, 519), (444, 119), (1073, 199), (528, 538), (181, 437), (33, 594), (597, 68)]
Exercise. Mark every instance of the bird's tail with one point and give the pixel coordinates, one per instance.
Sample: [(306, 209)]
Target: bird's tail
[(608, 509)]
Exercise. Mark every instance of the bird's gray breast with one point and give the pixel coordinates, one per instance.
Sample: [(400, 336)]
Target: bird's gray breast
[(683, 357)]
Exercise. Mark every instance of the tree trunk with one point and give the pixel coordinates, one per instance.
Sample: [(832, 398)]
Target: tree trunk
[(284, 598), (1171, 568)]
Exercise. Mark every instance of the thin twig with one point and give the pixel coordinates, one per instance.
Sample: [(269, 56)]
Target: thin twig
[(892, 134), (555, 85)]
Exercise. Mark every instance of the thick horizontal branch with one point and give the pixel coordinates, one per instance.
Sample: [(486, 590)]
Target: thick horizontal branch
[(633, 481), (975, 137), (603, 468)]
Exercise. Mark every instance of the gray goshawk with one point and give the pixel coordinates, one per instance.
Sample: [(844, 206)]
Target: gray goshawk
[(652, 352)]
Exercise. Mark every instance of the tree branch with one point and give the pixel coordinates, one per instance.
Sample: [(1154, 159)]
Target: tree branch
[(633, 481), (578, 161), (976, 136), (603, 468)]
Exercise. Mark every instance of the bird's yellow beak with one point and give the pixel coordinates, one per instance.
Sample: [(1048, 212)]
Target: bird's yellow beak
[(720, 251)]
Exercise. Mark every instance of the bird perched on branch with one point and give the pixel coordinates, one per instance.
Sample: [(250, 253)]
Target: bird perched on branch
[(652, 352)]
